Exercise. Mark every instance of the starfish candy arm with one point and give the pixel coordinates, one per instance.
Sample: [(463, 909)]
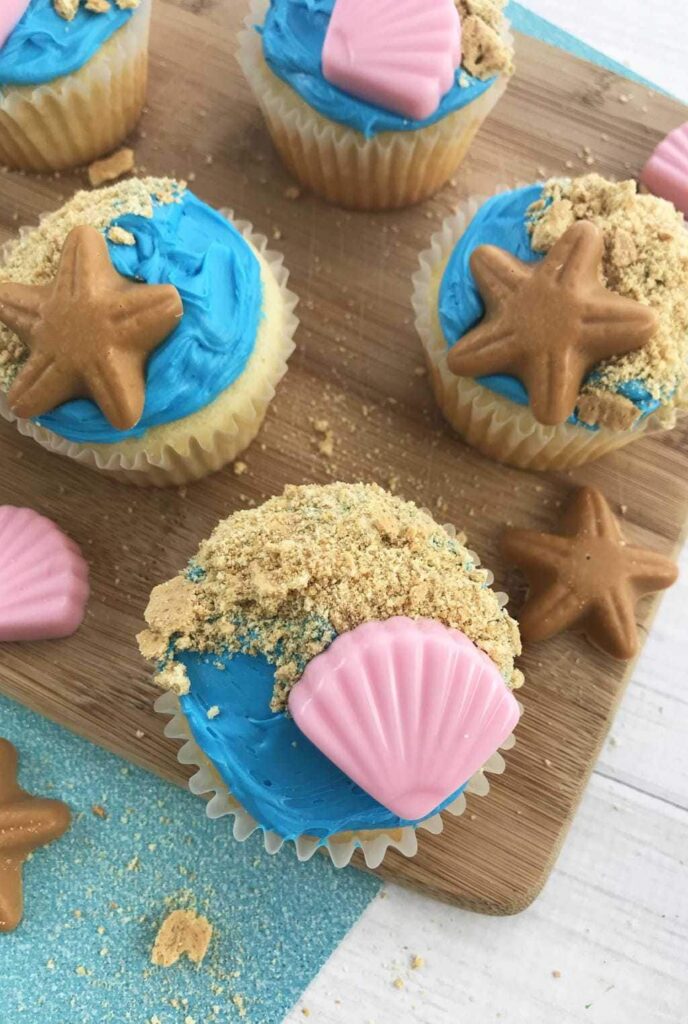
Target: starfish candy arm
[(26, 822), (85, 261), (9, 790), (611, 626), (534, 552), (553, 383), (11, 895), (589, 514), (20, 307), (497, 273), (650, 572), (31, 822), (484, 350), (614, 325), (549, 610), (154, 311), (576, 255), (39, 388), (119, 390)]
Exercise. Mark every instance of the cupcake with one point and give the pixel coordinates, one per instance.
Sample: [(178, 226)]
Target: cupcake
[(339, 668), (72, 79), (374, 106), (142, 333), (554, 320)]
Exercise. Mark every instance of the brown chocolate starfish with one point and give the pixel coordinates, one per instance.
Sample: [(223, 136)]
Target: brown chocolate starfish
[(89, 333), (26, 822), (589, 579), (549, 323)]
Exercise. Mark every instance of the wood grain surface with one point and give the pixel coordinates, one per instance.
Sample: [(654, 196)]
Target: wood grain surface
[(358, 365)]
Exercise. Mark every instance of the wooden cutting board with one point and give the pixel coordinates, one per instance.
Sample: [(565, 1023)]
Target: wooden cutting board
[(359, 366)]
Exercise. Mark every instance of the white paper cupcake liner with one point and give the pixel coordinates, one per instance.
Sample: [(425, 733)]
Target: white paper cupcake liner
[(374, 845), (495, 426), (389, 171), (81, 116), (189, 457)]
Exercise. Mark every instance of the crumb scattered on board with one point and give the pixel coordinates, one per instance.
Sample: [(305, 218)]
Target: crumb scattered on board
[(112, 167)]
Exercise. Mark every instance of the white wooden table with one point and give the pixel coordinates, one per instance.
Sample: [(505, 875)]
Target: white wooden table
[(607, 942)]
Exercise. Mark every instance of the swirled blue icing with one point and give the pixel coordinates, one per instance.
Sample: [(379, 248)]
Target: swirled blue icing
[(44, 46), (277, 774), (293, 39), (217, 274), (503, 221)]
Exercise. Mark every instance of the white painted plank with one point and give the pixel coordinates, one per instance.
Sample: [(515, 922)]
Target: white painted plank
[(613, 920), (648, 746), (650, 38)]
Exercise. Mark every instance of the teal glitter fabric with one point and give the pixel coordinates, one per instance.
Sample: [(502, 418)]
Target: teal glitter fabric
[(95, 899)]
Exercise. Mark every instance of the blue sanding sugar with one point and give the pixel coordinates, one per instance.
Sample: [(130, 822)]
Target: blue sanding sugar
[(95, 899)]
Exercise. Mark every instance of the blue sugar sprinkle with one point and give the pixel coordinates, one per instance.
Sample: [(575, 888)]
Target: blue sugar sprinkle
[(95, 899)]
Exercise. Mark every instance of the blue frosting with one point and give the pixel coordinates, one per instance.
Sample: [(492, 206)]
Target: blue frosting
[(503, 221), (44, 46), (293, 38), (217, 274), (281, 779)]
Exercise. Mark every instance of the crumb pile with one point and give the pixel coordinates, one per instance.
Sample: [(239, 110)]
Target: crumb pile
[(486, 52), (646, 259), (33, 259), (285, 579)]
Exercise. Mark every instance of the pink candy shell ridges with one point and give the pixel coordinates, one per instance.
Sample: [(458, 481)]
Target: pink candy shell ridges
[(401, 55), (11, 13), (43, 578), (666, 172), (408, 709)]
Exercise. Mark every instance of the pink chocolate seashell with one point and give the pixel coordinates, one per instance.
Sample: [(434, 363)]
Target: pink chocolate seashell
[(666, 172), (408, 709), (43, 578), (399, 54), (11, 13)]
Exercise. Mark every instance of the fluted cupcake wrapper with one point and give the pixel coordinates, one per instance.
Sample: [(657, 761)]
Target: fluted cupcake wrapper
[(341, 847), (81, 116), (196, 451), (390, 171), (495, 426)]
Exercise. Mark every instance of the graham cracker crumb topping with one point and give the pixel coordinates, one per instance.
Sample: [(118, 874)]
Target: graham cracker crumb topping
[(67, 9), (285, 579), (121, 237), (33, 259), (485, 51), (645, 259)]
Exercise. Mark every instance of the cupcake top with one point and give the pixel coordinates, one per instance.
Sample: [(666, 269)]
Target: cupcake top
[(296, 38), (645, 259), (157, 233), (270, 590), (57, 37)]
